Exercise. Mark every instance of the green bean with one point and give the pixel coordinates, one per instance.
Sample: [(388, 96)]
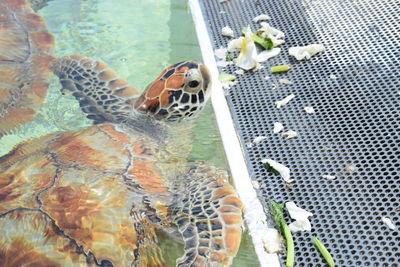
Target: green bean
[(325, 253), (280, 68), (289, 245)]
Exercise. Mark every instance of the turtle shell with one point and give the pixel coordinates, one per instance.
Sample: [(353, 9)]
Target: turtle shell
[(74, 197), (25, 57)]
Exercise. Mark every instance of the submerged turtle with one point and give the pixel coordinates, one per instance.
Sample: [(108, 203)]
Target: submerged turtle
[(100, 196)]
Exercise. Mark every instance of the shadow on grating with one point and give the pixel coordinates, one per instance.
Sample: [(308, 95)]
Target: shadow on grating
[(356, 121)]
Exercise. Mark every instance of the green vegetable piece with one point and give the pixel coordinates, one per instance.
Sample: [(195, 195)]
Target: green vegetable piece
[(289, 246), (280, 68), (279, 219), (266, 43), (226, 77), (325, 253), (271, 169), (229, 57)]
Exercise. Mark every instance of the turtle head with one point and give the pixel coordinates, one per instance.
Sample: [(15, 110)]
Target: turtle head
[(180, 92)]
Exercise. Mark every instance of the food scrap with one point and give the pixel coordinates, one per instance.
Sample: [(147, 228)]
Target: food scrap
[(240, 71), (272, 241), (305, 52), (227, 80), (279, 219), (325, 253), (235, 44), (309, 110), (389, 223), (267, 54), (280, 68), (220, 53), (278, 127), (226, 77), (227, 31), (284, 101), (261, 17), (247, 58), (300, 216), (278, 169), (290, 134), (267, 31), (285, 82), (259, 139), (329, 177)]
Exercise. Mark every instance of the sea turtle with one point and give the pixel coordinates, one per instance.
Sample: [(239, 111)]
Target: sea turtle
[(100, 195)]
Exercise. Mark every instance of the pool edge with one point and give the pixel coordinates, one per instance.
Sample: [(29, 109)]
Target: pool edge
[(254, 214)]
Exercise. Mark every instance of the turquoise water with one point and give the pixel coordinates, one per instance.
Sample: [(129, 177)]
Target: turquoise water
[(138, 39)]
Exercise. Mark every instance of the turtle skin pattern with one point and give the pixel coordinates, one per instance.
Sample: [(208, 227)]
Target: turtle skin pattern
[(97, 196)]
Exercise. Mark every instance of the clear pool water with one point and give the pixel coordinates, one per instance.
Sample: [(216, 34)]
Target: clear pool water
[(138, 39)]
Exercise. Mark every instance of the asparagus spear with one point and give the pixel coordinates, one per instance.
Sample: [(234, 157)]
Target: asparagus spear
[(277, 211)]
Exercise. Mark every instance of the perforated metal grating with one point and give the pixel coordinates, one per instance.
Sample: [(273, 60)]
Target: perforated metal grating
[(356, 121)]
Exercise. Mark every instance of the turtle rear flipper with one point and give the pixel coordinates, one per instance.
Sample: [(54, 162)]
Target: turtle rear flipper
[(103, 95), (147, 252), (25, 57), (208, 214)]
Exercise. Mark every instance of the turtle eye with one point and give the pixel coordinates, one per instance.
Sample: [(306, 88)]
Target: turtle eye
[(193, 84)]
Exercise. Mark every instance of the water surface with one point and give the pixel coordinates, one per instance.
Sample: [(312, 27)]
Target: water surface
[(138, 39)]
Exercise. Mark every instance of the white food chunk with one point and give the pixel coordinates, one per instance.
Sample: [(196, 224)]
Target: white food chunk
[(227, 31), (221, 53), (389, 223), (282, 169), (261, 18), (299, 226), (240, 72), (278, 127), (329, 177), (228, 84), (296, 212), (259, 139), (267, 31), (235, 44), (284, 101), (333, 76), (285, 82), (247, 58), (267, 54), (300, 215), (290, 134), (309, 110), (305, 52), (272, 241)]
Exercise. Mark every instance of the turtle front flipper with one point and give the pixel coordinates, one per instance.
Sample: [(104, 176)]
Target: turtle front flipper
[(208, 214), (103, 95)]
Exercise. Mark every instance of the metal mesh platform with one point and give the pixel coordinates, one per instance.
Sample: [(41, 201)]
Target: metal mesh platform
[(356, 121)]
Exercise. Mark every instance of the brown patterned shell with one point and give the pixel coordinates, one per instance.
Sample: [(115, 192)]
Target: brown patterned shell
[(67, 192), (97, 195), (25, 57)]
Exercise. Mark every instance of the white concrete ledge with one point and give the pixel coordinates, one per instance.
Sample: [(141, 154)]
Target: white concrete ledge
[(254, 213)]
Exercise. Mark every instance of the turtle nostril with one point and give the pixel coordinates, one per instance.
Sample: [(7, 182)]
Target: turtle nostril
[(193, 84)]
